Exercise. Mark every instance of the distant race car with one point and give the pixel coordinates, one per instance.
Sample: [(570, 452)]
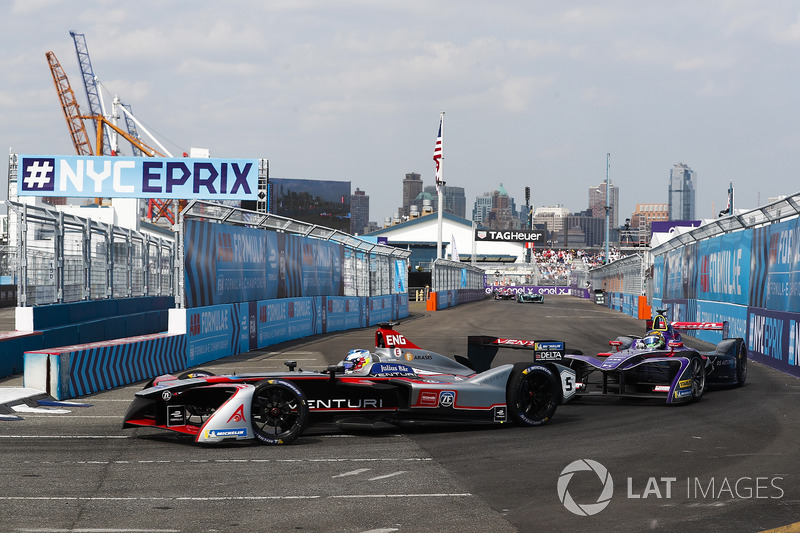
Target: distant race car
[(524, 297), (397, 384), (503, 293), (658, 365)]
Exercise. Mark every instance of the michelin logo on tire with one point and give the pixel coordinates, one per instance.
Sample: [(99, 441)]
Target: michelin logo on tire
[(585, 509)]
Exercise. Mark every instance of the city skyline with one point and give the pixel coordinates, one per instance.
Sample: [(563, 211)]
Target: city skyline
[(535, 94)]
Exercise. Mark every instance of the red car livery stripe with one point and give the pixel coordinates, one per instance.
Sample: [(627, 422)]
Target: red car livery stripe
[(712, 326)]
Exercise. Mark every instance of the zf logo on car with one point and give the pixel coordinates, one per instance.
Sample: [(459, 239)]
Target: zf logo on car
[(447, 398)]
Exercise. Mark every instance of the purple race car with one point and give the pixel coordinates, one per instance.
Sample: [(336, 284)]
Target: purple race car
[(658, 365)]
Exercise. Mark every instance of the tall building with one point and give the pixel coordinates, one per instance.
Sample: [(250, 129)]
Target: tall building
[(646, 214), (497, 210), (359, 212), (454, 200), (682, 191), (555, 218), (412, 186), (643, 218), (482, 208), (583, 230), (597, 202)]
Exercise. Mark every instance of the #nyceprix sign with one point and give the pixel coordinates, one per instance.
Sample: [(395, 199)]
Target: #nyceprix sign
[(137, 177)]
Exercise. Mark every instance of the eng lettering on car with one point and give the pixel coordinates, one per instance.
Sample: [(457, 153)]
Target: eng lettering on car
[(395, 340)]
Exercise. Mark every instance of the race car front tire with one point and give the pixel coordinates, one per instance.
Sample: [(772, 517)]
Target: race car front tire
[(533, 394), (278, 412), (697, 369)]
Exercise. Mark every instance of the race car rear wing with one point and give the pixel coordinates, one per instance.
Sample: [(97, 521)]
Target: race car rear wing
[(696, 326), (482, 349)]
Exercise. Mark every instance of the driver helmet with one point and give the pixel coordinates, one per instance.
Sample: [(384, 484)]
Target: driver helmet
[(653, 342), (356, 360)]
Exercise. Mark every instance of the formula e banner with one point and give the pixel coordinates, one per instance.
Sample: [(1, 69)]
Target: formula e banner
[(723, 268), (775, 276), (227, 264), (137, 177)]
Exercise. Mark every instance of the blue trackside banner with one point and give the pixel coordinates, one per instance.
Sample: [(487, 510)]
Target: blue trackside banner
[(138, 177)]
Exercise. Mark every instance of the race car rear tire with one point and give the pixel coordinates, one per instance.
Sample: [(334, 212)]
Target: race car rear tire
[(533, 394), (278, 412), (697, 369), (741, 362)]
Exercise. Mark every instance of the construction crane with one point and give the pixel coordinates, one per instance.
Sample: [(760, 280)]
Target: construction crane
[(93, 95), (75, 121), (69, 104), (156, 208)]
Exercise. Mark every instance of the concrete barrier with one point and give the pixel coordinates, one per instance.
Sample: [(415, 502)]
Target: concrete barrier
[(72, 371)]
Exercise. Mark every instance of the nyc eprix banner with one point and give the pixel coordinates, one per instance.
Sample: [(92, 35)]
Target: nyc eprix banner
[(137, 177)]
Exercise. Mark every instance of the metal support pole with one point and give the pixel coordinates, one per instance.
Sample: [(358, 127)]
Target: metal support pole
[(608, 207)]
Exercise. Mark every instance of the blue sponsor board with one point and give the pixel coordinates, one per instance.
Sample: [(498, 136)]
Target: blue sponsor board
[(342, 312), (735, 315), (772, 339), (782, 284), (723, 265), (400, 275), (212, 332), (321, 267), (658, 275), (225, 264), (241, 263), (287, 319), (381, 309), (137, 177)]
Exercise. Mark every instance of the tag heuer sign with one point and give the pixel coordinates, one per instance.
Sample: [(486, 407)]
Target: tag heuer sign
[(510, 236)]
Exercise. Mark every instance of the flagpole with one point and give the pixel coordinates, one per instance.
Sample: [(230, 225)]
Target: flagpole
[(439, 185)]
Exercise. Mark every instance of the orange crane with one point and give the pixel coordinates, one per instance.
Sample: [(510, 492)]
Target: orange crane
[(69, 104), (77, 129), (75, 120)]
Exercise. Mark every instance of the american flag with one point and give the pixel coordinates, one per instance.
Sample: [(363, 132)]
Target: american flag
[(437, 156)]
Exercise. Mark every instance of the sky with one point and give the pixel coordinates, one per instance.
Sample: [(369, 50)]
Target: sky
[(535, 93)]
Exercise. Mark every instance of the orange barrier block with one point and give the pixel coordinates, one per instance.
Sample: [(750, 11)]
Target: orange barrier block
[(644, 309), (431, 305)]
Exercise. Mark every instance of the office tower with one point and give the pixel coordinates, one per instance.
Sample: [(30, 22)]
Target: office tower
[(597, 202), (359, 212), (412, 186), (682, 190), (454, 200)]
